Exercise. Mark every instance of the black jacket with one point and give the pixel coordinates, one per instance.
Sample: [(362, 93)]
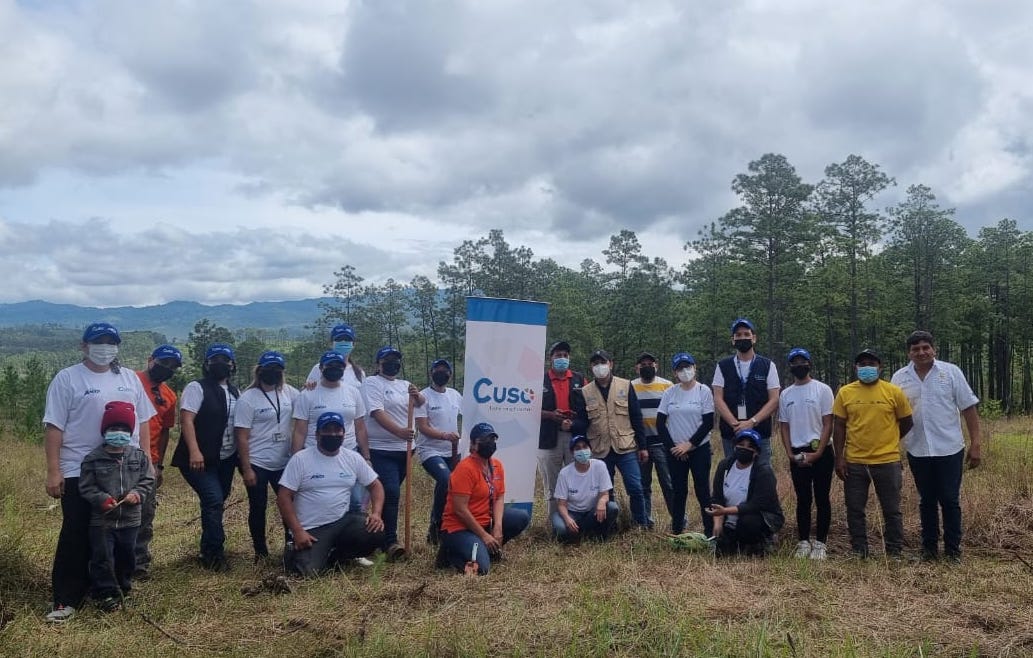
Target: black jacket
[(209, 426), (761, 497), (548, 431)]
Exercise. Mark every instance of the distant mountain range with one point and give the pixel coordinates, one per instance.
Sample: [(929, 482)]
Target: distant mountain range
[(175, 319)]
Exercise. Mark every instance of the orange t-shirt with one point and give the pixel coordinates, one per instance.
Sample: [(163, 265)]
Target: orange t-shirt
[(561, 388), (165, 413), (469, 480)]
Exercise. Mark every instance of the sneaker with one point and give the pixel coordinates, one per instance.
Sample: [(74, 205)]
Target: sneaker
[(363, 562), (819, 551), (109, 604), (953, 558), (60, 614), (214, 563), (395, 552), (142, 575), (803, 549)]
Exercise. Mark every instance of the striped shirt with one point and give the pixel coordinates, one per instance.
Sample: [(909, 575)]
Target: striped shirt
[(649, 399)]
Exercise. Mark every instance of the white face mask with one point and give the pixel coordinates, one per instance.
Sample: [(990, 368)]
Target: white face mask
[(101, 354), (686, 375), (601, 370)]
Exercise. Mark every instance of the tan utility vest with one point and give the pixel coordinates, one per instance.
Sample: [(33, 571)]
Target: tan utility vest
[(609, 425)]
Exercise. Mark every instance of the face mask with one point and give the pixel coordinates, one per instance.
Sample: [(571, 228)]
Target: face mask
[(800, 372), (647, 372), (330, 442), (117, 438), (440, 378), (219, 370), (601, 370), (560, 364), (582, 456), (343, 347), (270, 377), (390, 368), (744, 455), (867, 374), (686, 375), (101, 354), (744, 344), (159, 373), (485, 449), (333, 374)]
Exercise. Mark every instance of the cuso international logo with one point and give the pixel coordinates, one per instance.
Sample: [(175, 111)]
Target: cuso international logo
[(499, 396)]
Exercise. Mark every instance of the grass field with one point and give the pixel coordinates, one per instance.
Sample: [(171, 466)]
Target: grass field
[(632, 597)]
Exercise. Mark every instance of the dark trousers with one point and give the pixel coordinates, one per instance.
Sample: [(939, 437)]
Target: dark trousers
[(335, 544), (440, 469), (887, 481), (112, 560), (812, 485), (145, 533), (390, 468), (70, 575), (696, 463), (212, 486), (588, 525), (658, 458), (457, 547), (258, 502), (938, 480), (748, 537)]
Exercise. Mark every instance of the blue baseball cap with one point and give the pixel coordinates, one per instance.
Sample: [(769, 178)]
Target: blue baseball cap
[(578, 437), (441, 362), (342, 332), (329, 418), (682, 357), (798, 351), (481, 430), (167, 352), (387, 351), (742, 322), (219, 349), (99, 330), (272, 358), (752, 435), (331, 357)]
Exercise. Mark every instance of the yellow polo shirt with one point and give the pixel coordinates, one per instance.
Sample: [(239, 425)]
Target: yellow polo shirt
[(871, 412)]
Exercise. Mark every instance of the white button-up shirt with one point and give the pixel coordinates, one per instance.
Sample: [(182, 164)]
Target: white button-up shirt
[(936, 402)]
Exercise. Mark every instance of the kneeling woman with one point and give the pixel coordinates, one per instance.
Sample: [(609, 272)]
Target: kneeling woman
[(583, 505), (476, 522), (745, 504)]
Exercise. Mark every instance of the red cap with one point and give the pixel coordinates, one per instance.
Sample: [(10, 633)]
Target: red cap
[(118, 413)]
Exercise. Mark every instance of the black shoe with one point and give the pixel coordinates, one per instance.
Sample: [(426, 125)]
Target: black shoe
[(142, 575), (109, 604), (214, 562), (953, 558), (396, 552)]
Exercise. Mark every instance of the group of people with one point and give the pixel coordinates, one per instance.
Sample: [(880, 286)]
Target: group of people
[(335, 454)]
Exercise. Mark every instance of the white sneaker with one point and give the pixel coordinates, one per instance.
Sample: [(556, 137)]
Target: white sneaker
[(803, 549), (363, 562), (819, 551), (60, 614)]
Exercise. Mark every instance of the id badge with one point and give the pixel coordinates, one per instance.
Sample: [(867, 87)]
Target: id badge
[(278, 437), (742, 412)]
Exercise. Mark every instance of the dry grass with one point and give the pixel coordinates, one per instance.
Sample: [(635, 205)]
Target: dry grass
[(629, 598)]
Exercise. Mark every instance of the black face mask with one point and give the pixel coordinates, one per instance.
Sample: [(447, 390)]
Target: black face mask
[(440, 378), (333, 374), (159, 373), (800, 372), (270, 377), (485, 449), (647, 372), (744, 344), (391, 368), (330, 442), (219, 370), (744, 455)]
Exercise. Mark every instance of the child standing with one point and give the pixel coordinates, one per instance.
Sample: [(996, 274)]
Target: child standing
[(116, 478)]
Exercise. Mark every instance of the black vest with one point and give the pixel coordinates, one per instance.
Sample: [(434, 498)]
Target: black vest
[(209, 425), (756, 393)]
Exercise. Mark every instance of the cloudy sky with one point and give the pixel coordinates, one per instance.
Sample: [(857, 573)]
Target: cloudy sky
[(153, 150)]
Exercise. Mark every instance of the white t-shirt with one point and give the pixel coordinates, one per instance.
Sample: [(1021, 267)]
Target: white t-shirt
[(392, 397), (935, 404), (736, 486), (685, 410), (581, 490), (322, 484), (345, 400), (442, 412), (803, 406), (268, 415), (349, 378), (193, 396), (744, 369), (75, 405)]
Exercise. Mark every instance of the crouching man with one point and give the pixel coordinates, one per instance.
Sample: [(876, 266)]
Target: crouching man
[(315, 492)]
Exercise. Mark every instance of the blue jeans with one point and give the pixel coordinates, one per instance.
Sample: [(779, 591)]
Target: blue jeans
[(938, 480), (359, 494), (697, 463), (212, 486), (588, 525), (258, 501), (628, 465), (765, 449), (112, 560), (390, 468), (658, 457), (457, 547), (440, 469)]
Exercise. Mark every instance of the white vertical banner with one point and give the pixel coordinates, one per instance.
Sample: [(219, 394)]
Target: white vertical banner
[(502, 376)]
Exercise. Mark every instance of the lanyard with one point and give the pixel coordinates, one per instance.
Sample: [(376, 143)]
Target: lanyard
[(743, 379), (275, 406)]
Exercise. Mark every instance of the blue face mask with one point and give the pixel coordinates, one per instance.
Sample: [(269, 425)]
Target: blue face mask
[(867, 374), (560, 364), (343, 347), (582, 456), (117, 438)]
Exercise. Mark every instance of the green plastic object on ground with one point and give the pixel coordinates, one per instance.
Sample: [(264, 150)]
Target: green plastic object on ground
[(695, 542)]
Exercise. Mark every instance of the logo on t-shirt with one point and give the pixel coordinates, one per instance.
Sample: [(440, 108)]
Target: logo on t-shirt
[(91, 391), (316, 476)]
